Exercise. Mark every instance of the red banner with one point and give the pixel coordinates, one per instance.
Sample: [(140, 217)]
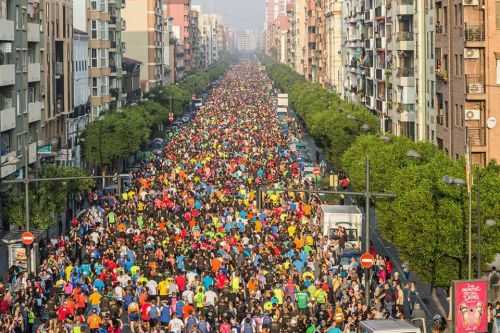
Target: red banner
[(471, 306)]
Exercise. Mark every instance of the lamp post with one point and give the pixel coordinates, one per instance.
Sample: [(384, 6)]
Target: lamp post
[(461, 182)]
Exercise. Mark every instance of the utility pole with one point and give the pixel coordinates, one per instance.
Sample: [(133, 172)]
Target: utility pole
[(26, 181), (367, 226)]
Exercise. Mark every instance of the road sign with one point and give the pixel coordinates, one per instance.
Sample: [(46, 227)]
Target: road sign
[(367, 260), (27, 238), (316, 171)]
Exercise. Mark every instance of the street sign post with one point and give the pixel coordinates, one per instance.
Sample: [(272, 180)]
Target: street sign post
[(367, 260), (27, 238)]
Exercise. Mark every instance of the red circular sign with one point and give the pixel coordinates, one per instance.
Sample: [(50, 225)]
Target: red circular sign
[(367, 260), (316, 171), (27, 238)]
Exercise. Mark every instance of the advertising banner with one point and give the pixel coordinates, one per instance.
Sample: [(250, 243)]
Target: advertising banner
[(470, 306)]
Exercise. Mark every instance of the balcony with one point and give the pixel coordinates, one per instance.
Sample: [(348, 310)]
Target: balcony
[(123, 25), (8, 168), (34, 72), (33, 32), (379, 13), (6, 30), (7, 75), (474, 33), (474, 84), (124, 47), (439, 28), (59, 71), (477, 136), (405, 41), (404, 7), (32, 152), (34, 112), (7, 115), (405, 71)]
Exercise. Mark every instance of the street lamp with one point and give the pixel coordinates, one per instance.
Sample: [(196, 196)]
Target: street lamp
[(461, 182)]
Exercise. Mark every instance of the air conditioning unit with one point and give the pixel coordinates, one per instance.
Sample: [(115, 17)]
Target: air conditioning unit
[(471, 2), (471, 53), (471, 114)]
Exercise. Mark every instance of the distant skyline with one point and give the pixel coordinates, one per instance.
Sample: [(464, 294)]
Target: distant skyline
[(237, 14)]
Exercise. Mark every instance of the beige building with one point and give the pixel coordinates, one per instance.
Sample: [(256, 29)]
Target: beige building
[(144, 39), (333, 45), (58, 74), (450, 97), (481, 20)]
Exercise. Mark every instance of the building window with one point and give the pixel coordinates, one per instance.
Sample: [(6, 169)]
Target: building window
[(462, 116), (95, 91), (94, 30), (498, 69), (93, 58), (93, 4)]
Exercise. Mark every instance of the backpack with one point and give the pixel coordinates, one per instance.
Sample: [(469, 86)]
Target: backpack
[(154, 313), (191, 322), (247, 327), (203, 326), (267, 321)]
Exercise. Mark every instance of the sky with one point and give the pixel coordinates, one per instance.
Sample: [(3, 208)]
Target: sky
[(238, 14)]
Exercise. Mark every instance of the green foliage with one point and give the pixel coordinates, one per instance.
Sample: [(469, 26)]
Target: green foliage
[(46, 198), (332, 122), (427, 221)]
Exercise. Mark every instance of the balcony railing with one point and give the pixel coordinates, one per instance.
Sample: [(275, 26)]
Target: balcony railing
[(477, 136), (442, 74), (439, 28), (404, 36), (474, 84), (474, 33), (405, 72)]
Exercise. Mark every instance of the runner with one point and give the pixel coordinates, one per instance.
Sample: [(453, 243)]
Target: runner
[(186, 248)]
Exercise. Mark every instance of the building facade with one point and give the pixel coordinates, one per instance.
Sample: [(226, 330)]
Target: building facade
[(144, 39), (180, 11), (21, 90), (58, 76), (481, 69), (79, 118)]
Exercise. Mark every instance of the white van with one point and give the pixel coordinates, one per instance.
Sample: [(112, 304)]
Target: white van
[(387, 326)]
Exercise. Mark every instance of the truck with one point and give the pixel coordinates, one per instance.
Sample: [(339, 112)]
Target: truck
[(332, 217), (283, 100), (387, 326)]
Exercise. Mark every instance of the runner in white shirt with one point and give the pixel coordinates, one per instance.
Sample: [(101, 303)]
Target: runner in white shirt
[(210, 298), (176, 325)]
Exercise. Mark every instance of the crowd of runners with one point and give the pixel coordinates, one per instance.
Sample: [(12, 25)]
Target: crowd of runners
[(186, 248)]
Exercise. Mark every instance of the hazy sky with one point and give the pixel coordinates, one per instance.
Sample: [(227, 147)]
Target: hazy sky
[(238, 14)]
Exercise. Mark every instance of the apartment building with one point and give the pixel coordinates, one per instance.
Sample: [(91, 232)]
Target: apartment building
[(21, 43), (481, 68), (58, 76), (117, 26), (94, 17), (80, 117), (195, 33), (450, 94), (210, 36), (144, 39), (389, 64), (298, 29), (333, 45), (180, 11)]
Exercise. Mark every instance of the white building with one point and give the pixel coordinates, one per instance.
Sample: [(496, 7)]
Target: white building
[(81, 93), (210, 37)]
